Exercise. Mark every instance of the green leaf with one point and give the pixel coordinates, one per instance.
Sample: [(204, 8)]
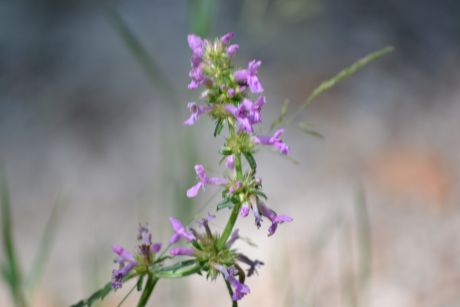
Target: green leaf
[(261, 194), (251, 161), (98, 295), (308, 129), (139, 283), (280, 118), (161, 259), (226, 203), (219, 127), (11, 270), (342, 75)]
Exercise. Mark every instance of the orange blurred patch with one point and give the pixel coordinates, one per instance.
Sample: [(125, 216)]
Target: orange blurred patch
[(413, 175)]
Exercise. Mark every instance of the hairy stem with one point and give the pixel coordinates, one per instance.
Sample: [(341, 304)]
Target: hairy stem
[(149, 286)]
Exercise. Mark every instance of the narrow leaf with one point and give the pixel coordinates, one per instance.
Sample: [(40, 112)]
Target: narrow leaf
[(226, 203), (139, 283), (342, 75), (252, 162), (219, 127), (308, 129), (98, 295), (11, 270)]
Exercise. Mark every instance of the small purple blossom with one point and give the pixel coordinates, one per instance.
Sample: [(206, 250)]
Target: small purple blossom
[(180, 231), (274, 141), (232, 49), (203, 179), (196, 111), (231, 92), (196, 43), (182, 251), (254, 109), (155, 248), (239, 289), (198, 77), (196, 72), (126, 263), (241, 114), (230, 162), (245, 210), (225, 39), (249, 76), (273, 217)]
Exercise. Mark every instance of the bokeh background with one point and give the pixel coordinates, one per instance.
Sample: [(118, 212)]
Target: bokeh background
[(91, 120)]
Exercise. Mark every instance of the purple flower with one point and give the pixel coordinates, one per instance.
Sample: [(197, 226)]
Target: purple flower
[(197, 75), (225, 39), (144, 235), (182, 251), (196, 72), (203, 180), (126, 263), (155, 248), (180, 231), (118, 275), (196, 44), (232, 49), (254, 109), (241, 114), (273, 217), (230, 162), (196, 111), (249, 76), (123, 254), (245, 210), (274, 141), (239, 289)]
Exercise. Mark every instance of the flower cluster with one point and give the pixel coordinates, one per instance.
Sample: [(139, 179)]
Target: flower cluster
[(140, 262), (211, 257)]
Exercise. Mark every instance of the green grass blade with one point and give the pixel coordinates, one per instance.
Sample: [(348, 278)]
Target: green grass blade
[(341, 76), (280, 118), (141, 55), (201, 16), (44, 248), (11, 270)]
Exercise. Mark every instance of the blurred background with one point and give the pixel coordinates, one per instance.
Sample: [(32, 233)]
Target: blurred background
[(92, 100)]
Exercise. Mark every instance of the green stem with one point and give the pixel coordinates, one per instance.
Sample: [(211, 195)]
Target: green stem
[(149, 286), (238, 167), (229, 227), (236, 209)]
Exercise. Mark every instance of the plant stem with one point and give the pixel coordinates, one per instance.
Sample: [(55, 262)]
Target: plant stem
[(230, 291), (229, 227), (149, 286), (236, 209), (238, 167)]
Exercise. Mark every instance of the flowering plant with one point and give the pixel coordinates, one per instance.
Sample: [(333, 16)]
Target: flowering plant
[(233, 99)]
